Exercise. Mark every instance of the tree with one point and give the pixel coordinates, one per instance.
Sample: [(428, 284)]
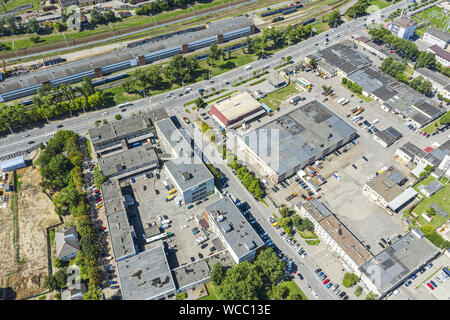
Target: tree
[(199, 103), (97, 123), (349, 279), (425, 60), (313, 63), (33, 26), (218, 273), (371, 296), (242, 282), (358, 291), (334, 19), (285, 212), (35, 39), (269, 266), (60, 26), (118, 117), (280, 292)]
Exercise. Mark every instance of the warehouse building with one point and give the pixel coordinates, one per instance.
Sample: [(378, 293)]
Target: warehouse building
[(101, 65), (328, 227), (234, 230), (438, 80), (393, 266), (288, 143), (119, 135), (388, 191), (341, 58), (232, 111), (129, 162), (409, 152), (186, 170), (13, 164), (375, 84), (387, 137), (146, 276)]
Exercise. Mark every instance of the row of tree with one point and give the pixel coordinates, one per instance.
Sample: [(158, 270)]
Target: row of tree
[(10, 26), (352, 86), (51, 102), (359, 9), (290, 219), (397, 70), (259, 280), (60, 165), (102, 18), (402, 45), (159, 6)]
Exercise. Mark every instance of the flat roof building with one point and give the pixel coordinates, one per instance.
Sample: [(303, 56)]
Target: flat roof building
[(374, 83), (409, 152), (344, 58), (442, 56), (436, 37), (403, 27), (438, 80), (387, 190), (327, 226), (13, 164), (146, 276), (186, 170), (390, 268), (288, 143), (129, 162), (233, 109), (388, 136), (234, 230)]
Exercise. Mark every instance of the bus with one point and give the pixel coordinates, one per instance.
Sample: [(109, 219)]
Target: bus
[(125, 104)]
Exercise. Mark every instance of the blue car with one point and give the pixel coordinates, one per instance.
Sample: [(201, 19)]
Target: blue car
[(408, 283), (433, 283), (113, 282), (320, 274), (329, 285), (413, 276)]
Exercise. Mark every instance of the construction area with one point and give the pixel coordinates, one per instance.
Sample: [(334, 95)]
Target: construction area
[(24, 258)]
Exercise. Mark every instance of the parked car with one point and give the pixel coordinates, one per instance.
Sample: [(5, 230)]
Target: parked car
[(430, 286), (326, 281)]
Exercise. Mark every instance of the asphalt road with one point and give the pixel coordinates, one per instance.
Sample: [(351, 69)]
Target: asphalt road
[(81, 124)]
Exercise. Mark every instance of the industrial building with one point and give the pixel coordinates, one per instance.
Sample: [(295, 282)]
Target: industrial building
[(118, 60), (129, 162), (436, 37), (374, 83), (387, 137), (394, 265), (13, 164), (279, 148), (328, 227), (186, 170), (438, 80), (234, 110), (409, 152), (146, 276), (234, 230), (403, 27), (388, 191), (341, 58)]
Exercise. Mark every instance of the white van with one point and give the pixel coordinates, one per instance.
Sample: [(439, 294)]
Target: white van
[(247, 67), (375, 121)]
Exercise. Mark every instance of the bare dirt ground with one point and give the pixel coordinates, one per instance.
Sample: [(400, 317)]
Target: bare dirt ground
[(35, 215)]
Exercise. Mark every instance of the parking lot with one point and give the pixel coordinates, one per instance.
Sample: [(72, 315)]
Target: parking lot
[(150, 207)]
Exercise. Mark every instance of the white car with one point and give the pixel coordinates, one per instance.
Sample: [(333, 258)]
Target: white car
[(315, 295)]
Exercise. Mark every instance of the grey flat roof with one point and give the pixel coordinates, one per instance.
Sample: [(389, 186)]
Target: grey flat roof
[(235, 229), (412, 150), (120, 230), (187, 168), (297, 136), (386, 187), (146, 276), (403, 198), (316, 208), (121, 55), (370, 79), (343, 57), (384, 93), (128, 160), (444, 36), (139, 124), (428, 109), (191, 273), (434, 76), (433, 187), (397, 261)]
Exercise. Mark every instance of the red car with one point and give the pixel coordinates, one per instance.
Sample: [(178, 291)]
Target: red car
[(424, 133), (326, 281), (102, 228), (96, 191), (98, 200), (430, 286)]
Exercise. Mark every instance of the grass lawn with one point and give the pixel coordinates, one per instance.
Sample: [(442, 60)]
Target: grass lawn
[(440, 198), (434, 125), (364, 98), (307, 234), (273, 100), (435, 16), (17, 3), (312, 242), (321, 27), (293, 287), (211, 292), (380, 3)]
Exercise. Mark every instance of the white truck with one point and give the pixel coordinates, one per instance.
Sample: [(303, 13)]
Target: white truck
[(157, 237), (165, 221), (200, 240)]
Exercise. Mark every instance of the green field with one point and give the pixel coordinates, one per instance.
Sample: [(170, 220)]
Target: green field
[(211, 292), (273, 100), (381, 3), (435, 16), (434, 125), (440, 198), (11, 4), (293, 287)]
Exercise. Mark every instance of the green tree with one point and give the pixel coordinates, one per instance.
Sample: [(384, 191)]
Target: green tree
[(358, 291), (349, 279), (218, 273), (35, 39), (334, 19), (118, 117), (371, 296)]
